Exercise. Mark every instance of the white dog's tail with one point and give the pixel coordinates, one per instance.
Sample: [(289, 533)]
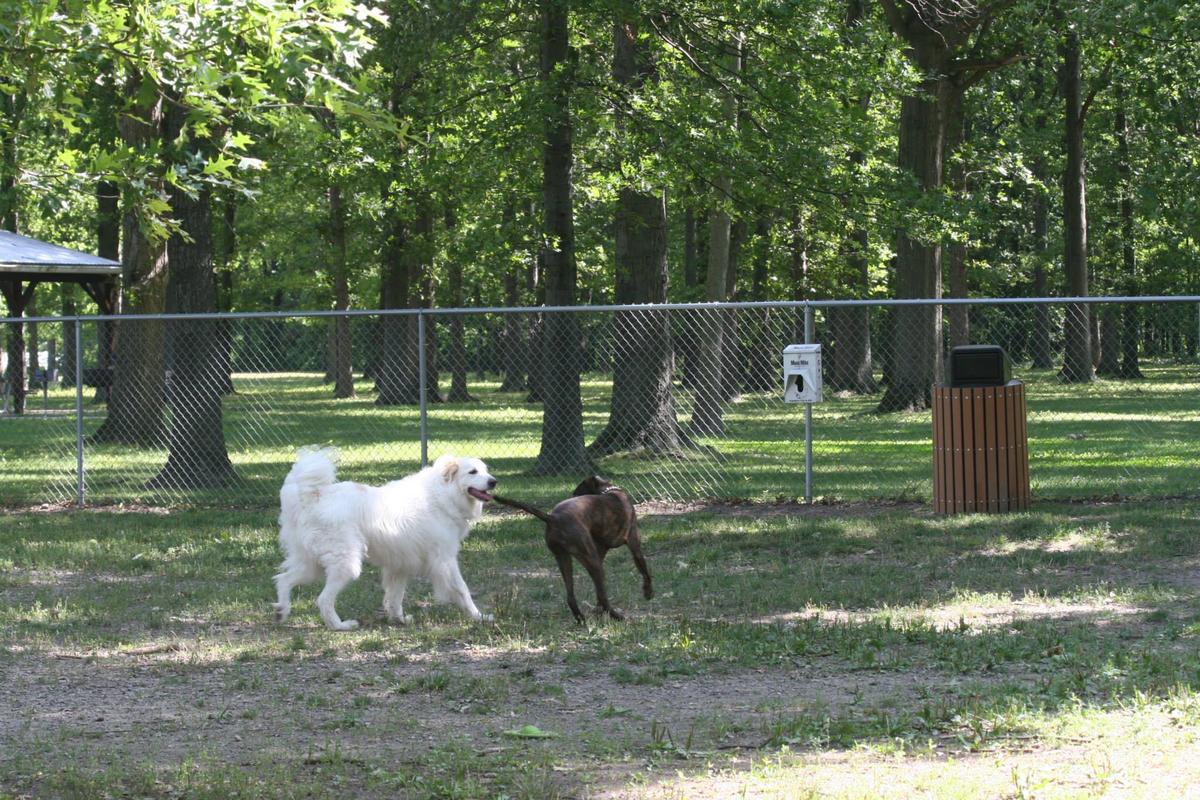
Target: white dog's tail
[(315, 468)]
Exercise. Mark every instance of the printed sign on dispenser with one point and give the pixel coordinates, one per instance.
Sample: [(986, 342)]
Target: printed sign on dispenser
[(802, 373)]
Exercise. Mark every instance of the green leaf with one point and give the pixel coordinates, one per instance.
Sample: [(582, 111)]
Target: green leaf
[(219, 165), (240, 140), (530, 732)]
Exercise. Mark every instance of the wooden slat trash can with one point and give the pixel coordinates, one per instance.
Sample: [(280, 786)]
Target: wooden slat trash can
[(980, 449)]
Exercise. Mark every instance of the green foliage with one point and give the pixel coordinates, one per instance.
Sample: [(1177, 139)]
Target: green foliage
[(435, 104)]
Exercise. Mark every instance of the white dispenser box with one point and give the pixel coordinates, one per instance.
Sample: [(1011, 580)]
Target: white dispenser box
[(802, 373)]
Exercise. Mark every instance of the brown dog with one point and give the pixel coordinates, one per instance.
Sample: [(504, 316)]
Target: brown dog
[(595, 519)]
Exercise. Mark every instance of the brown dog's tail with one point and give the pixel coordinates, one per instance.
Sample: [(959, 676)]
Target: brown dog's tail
[(542, 515)]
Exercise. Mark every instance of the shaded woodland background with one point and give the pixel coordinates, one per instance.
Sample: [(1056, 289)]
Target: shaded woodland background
[(247, 156)]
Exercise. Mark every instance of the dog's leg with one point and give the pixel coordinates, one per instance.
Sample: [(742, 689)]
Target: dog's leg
[(635, 548), (291, 574), (394, 586), (567, 569), (449, 587), (595, 568), (337, 577)]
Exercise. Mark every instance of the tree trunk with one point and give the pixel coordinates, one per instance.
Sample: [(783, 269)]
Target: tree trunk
[(959, 316), (420, 282), (1130, 319), (1077, 357), (562, 449), (798, 249), (690, 260), (709, 384), (108, 245), (197, 455), (11, 106), (935, 33), (733, 355), (536, 349), (916, 333), (330, 352), (642, 415), (15, 300), (512, 343), (1110, 341), (136, 401), (67, 376), (12, 109), (762, 357), (396, 379), (1041, 350), (136, 404), (686, 345), (537, 284), (1043, 356), (848, 365), (709, 328), (225, 290), (343, 363), (34, 340), (458, 345)]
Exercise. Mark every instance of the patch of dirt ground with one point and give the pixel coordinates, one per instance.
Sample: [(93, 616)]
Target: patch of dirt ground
[(168, 704)]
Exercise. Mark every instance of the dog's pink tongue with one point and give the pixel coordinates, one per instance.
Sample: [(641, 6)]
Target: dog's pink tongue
[(479, 494)]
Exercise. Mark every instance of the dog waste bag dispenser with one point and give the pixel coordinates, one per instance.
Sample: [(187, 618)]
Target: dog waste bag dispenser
[(802, 373), (980, 445)]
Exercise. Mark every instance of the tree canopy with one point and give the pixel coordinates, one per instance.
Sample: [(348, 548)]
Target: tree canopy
[(406, 103), (417, 153)]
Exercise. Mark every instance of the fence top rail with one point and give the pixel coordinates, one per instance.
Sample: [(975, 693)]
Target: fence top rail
[(586, 309)]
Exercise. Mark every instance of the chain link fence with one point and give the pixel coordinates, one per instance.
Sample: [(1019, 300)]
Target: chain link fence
[(676, 403)]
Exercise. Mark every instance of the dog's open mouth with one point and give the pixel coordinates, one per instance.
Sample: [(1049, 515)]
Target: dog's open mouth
[(479, 494)]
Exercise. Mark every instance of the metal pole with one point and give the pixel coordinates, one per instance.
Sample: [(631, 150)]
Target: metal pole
[(78, 413), (808, 439), (422, 383)]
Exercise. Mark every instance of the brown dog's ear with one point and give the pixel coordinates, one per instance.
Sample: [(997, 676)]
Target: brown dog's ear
[(447, 466)]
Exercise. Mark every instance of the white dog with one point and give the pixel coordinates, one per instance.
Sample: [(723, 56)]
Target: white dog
[(409, 528)]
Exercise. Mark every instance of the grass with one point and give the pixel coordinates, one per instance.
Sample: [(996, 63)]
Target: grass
[(1105, 439), (885, 654)]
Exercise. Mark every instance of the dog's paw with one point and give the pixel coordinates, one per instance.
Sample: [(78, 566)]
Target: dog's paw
[(486, 618), (347, 625), (281, 613), (648, 592), (617, 615), (401, 619)]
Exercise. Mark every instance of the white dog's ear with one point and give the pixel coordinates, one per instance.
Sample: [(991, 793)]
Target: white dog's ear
[(447, 466)]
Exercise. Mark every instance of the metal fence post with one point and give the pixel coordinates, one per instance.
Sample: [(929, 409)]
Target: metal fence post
[(422, 378), (79, 489), (808, 439)]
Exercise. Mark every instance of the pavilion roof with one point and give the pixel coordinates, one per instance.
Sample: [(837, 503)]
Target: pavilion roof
[(24, 258)]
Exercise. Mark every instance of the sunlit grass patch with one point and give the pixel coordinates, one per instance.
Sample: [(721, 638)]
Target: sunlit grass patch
[(1128, 438), (833, 646)]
